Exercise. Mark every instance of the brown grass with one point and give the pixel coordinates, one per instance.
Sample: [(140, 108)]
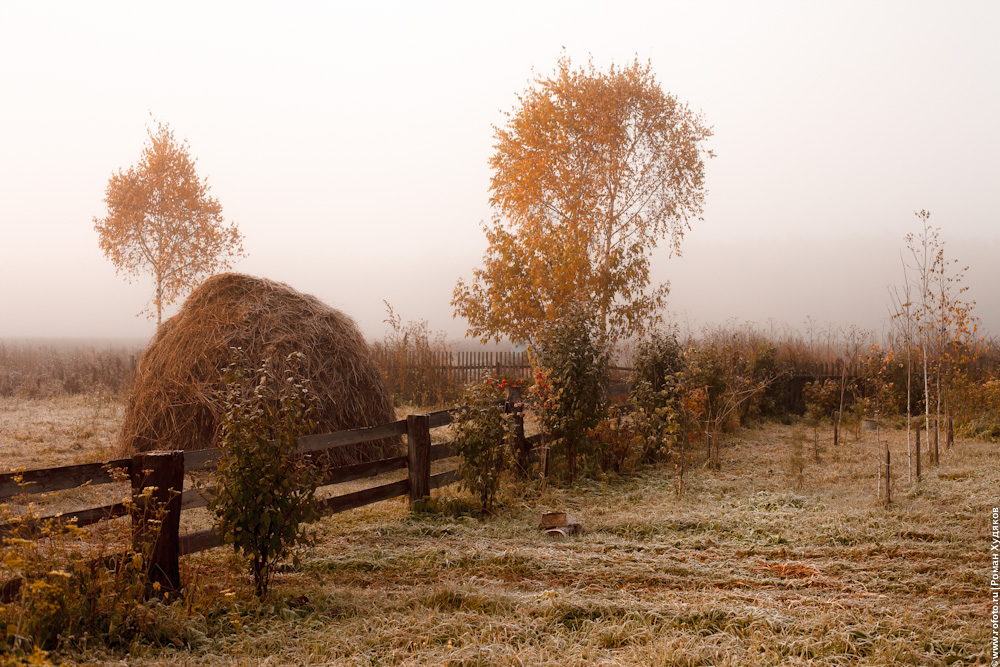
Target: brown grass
[(758, 564), (176, 400)]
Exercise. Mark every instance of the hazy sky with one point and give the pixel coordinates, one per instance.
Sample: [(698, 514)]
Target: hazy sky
[(350, 143)]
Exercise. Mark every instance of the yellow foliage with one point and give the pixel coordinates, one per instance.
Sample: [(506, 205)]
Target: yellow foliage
[(162, 221), (591, 171)]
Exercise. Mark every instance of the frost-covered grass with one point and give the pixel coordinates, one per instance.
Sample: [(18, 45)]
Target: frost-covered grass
[(775, 560)]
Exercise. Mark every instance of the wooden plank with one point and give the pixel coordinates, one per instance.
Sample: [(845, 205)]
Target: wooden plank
[(445, 478), (195, 498), (441, 417), (199, 541), (350, 501), (201, 459), (44, 480), (84, 517), (209, 539), (94, 515), (204, 459), (442, 451), (349, 473), (322, 441)]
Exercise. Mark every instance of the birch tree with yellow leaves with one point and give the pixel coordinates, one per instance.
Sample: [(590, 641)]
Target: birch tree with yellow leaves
[(163, 222), (591, 172)]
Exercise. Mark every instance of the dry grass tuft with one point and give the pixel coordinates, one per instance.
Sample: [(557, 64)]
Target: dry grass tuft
[(176, 400)]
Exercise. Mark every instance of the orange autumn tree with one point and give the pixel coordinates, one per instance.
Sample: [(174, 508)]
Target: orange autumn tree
[(163, 222), (591, 171)]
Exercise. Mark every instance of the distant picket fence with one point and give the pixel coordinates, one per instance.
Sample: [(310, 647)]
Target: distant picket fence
[(433, 376)]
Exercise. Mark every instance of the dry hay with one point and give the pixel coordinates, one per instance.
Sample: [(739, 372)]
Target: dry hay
[(176, 400)]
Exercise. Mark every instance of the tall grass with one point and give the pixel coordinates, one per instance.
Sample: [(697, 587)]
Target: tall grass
[(38, 368), (411, 358)]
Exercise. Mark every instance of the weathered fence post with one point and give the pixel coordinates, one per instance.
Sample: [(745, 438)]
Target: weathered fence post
[(951, 430), (917, 452), (522, 448), (836, 428), (418, 447), (156, 516), (888, 477)]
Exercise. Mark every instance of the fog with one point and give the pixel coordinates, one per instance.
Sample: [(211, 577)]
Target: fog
[(351, 146)]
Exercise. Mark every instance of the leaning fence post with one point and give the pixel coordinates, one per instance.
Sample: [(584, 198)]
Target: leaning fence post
[(156, 516), (418, 446)]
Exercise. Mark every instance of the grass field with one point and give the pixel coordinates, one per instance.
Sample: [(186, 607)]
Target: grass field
[(776, 560)]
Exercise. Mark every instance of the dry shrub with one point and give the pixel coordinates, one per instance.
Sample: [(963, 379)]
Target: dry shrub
[(415, 363), (177, 399)]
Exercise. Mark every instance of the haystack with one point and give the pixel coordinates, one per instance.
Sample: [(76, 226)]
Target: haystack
[(176, 400)]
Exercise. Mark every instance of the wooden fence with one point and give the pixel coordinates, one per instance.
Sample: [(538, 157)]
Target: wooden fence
[(457, 368), (436, 375), (166, 470)]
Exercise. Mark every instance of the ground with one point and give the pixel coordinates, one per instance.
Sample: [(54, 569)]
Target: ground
[(776, 559)]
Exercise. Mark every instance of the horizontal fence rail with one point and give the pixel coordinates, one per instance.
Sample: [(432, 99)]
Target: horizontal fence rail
[(165, 471)]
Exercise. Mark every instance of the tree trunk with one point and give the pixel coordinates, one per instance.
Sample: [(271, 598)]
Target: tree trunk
[(909, 413), (937, 454), (159, 302), (927, 409)]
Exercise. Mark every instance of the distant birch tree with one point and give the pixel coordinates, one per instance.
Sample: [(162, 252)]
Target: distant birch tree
[(944, 319), (162, 221)]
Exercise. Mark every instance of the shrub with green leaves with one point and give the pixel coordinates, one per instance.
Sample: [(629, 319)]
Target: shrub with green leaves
[(571, 361), (484, 440), (64, 588), (656, 400), (657, 361), (266, 491)]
